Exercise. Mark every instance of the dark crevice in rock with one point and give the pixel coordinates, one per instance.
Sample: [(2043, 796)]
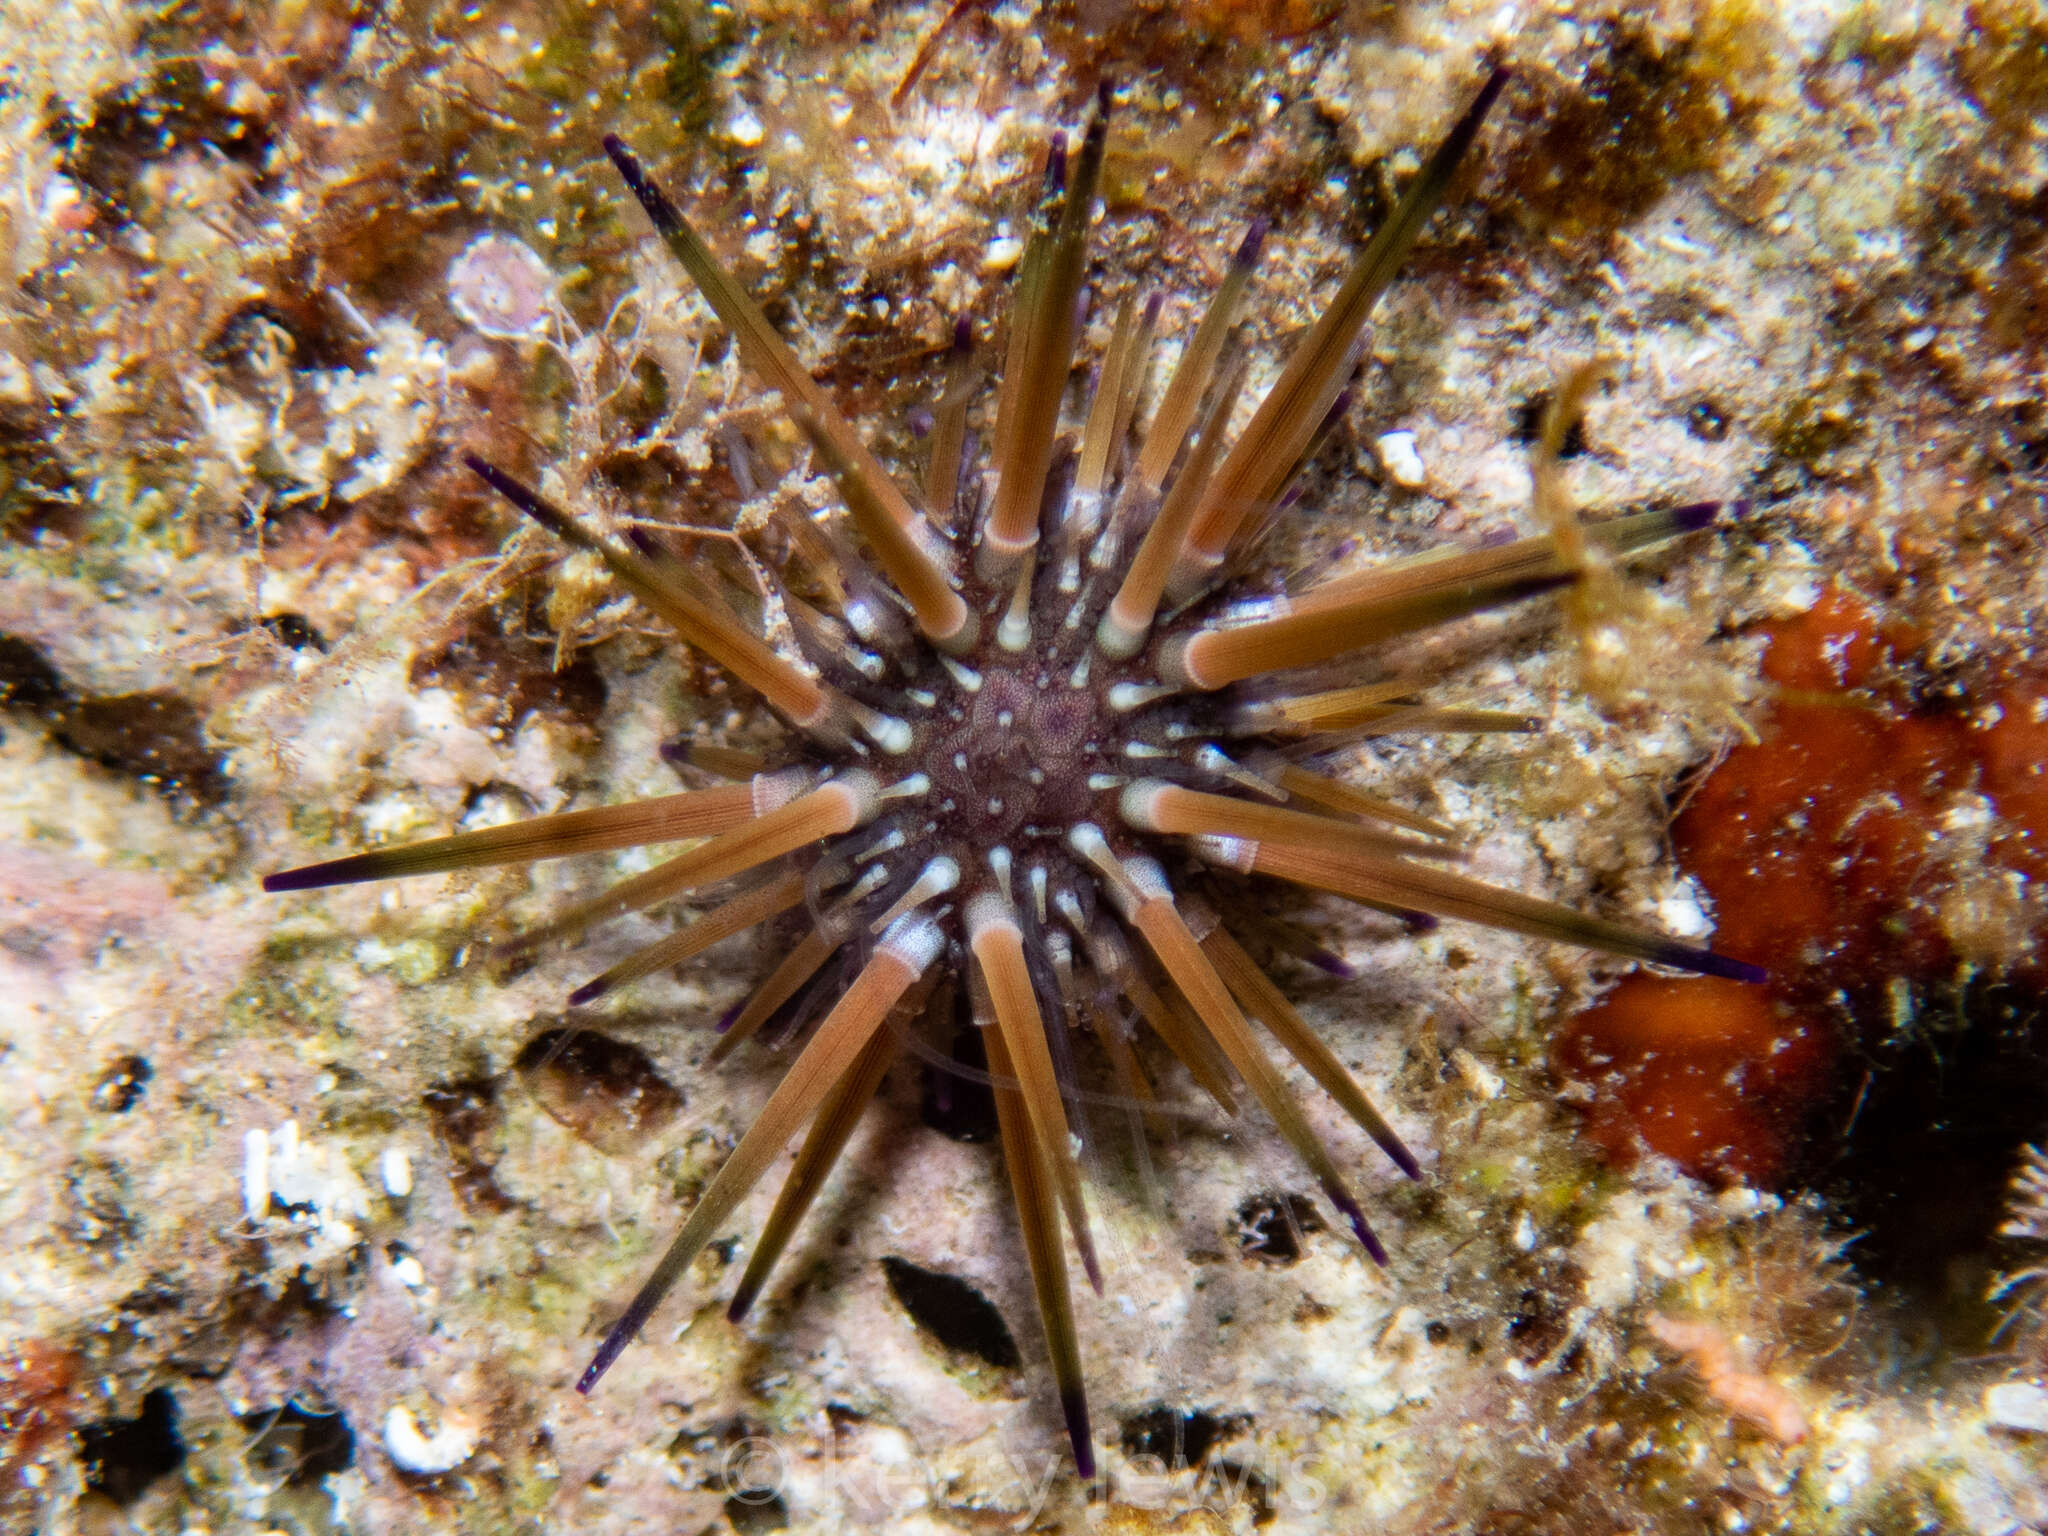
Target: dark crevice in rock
[(154, 736), (953, 1312), (122, 1457)]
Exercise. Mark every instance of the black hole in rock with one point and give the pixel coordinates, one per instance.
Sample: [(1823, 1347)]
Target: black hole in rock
[(753, 1510), (121, 1085), (297, 1444), (466, 1117), (953, 1312), (27, 680), (156, 737), (1177, 1439), (1271, 1227), (1528, 426), (1933, 1138), (606, 1091), (1706, 421), (2025, 439), (956, 1106), (1541, 1320), (122, 1457), (576, 693), (295, 630)]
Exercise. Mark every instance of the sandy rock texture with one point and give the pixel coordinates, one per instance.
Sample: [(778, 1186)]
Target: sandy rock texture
[(309, 1227)]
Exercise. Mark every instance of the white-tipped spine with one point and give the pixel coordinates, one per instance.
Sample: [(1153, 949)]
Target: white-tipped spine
[(1117, 639), (1013, 634), (988, 913), (915, 787), (1086, 839), (1175, 664), (1139, 804), (915, 940), (1147, 878), (1125, 697), (1212, 759), (863, 794), (892, 735), (772, 791), (934, 880)]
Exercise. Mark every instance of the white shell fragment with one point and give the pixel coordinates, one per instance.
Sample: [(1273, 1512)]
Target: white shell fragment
[(395, 1168), (412, 1449), (409, 1272), (255, 1174), (501, 288), (1402, 463), (306, 1189), (2017, 1405)]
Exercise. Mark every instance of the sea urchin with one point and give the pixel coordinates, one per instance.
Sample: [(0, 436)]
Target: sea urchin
[(1031, 757)]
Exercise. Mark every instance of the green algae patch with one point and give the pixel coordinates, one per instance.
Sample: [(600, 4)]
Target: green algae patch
[(302, 1002), (411, 961)]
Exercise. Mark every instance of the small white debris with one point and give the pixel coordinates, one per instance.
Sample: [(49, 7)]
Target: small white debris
[(1002, 255), (1680, 912), (2026, 1199), (2017, 1405), (1638, 1241), (501, 288), (255, 1174), (307, 1189), (1970, 813), (1476, 1074), (302, 1173), (414, 1450), (1524, 1237), (744, 129), (1403, 464), (17, 387), (409, 1272), (1791, 579), (1741, 1203), (395, 1167)]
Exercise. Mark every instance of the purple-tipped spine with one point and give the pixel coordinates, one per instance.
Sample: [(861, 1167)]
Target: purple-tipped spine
[(1056, 165), (1074, 1409), (660, 212), (526, 500), (622, 1333), (1360, 1227), (1253, 243), (1704, 962), (1331, 965)]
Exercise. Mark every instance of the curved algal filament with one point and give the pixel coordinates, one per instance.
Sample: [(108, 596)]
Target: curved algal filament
[(1022, 731)]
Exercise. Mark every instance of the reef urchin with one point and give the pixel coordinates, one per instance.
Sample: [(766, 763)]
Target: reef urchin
[(1036, 752)]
